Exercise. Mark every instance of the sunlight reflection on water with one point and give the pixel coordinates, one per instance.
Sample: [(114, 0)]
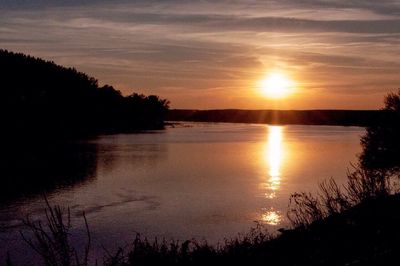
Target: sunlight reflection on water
[(271, 217), (274, 155)]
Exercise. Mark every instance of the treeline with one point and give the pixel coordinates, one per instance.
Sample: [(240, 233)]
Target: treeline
[(300, 117), (38, 97)]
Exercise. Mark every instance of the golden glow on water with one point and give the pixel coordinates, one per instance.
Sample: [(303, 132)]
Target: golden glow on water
[(271, 217), (274, 153), (273, 157)]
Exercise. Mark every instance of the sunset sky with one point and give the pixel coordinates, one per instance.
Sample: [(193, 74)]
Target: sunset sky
[(213, 54)]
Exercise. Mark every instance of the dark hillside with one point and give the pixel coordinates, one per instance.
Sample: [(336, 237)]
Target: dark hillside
[(41, 97)]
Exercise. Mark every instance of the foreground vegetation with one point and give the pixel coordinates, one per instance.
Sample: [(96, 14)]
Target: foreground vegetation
[(42, 98), (353, 224)]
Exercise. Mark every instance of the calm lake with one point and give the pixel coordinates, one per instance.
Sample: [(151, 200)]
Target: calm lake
[(203, 180)]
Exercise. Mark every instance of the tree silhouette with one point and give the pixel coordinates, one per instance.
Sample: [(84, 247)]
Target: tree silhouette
[(381, 143), (39, 96)]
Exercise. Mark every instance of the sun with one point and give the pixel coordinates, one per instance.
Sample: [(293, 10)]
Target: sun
[(276, 85)]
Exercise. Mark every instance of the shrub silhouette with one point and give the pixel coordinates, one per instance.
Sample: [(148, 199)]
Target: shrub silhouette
[(381, 143)]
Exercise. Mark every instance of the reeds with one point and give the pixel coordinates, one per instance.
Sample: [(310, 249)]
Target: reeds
[(362, 185), (52, 241), (190, 252)]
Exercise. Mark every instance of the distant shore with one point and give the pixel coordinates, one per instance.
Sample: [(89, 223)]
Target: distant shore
[(361, 118)]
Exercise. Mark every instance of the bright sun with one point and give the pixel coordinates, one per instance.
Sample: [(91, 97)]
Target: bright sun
[(276, 85)]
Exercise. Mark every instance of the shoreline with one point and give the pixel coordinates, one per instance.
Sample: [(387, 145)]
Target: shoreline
[(360, 118)]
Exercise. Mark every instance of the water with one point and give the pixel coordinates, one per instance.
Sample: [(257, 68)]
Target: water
[(203, 180)]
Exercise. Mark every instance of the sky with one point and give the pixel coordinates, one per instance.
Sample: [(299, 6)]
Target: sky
[(341, 54)]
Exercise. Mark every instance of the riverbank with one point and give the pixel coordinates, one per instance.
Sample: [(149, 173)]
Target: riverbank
[(366, 234), (283, 117)]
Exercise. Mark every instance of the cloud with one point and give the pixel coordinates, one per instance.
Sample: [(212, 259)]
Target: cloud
[(218, 47)]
